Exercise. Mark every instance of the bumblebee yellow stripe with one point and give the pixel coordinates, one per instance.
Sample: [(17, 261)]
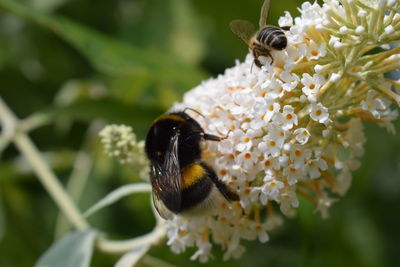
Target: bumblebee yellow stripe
[(191, 174), (170, 117)]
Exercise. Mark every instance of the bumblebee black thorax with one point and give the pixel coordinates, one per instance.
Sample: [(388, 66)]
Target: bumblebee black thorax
[(168, 125)]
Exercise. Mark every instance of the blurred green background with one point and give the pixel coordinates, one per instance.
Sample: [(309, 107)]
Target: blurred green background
[(81, 63)]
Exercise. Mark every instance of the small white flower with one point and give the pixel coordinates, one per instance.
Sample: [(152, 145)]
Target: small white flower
[(302, 135), (203, 253), (290, 80), (287, 118), (293, 174), (288, 201), (314, 166), (270, 146), (271, 109), (286, 20), (299, 155), (373, 104), (261, 231), (318, 112), (311, 85), (313, 51), (324, 203), (270, 190), (243, 140)]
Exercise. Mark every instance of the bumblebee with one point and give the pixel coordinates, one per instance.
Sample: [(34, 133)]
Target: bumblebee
[(264, 40), (182, 183)]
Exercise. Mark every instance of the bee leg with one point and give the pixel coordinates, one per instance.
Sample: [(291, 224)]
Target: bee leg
[(256, 53), (212, 137), (257, 62), (228, 193), (286, 28), (269, 55)]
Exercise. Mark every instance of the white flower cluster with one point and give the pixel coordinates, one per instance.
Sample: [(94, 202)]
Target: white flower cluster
[(119, 141), (295, 126)]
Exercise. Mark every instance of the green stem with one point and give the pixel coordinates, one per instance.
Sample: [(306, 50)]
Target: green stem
[(42, 170)]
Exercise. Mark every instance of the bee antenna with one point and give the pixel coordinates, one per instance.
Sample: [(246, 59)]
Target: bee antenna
[(187, 108), (251, 68)]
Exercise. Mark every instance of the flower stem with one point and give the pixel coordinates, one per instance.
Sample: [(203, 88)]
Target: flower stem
[(42, 170)]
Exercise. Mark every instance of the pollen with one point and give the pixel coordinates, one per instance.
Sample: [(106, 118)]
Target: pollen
[(314, 53), (297, 153), (247, 156), (246, 139), (222, 172), (258, 228), (223, 205), (271, 107), (288, 117), (247, 191), (312, 86), (318, 112), (267, 163)]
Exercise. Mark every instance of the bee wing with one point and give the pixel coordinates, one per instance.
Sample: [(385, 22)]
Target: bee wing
[(264, 13), (242, 29), (166, 181), (160, 207)]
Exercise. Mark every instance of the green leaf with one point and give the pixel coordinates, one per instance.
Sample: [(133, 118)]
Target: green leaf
[(108, 109), (2, 219), (73, 250), (109, 55), (116, 195)]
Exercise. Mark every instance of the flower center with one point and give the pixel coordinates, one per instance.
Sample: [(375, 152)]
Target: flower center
[(272, 143)]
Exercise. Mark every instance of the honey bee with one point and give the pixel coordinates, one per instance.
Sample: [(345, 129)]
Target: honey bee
[(264, 40), (181, 182)]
